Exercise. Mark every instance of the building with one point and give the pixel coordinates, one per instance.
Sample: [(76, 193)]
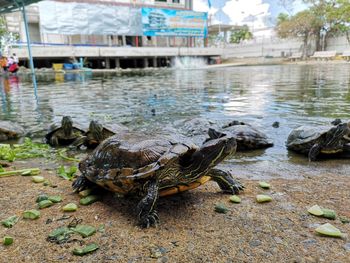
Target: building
[(111, 33)]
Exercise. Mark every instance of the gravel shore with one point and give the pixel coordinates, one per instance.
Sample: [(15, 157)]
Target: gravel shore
[(190, 229)]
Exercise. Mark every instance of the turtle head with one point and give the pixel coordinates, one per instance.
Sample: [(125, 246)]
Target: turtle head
[(212, 152), (67, 125), (336, 140), (338, 136), (216, 150), (96, 129)]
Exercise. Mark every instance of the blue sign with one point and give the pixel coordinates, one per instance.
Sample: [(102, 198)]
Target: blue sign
[(170, 22)]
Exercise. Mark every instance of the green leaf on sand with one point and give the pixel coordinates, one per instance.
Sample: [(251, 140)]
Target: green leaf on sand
[(323, 212), (85, 250), (71, 207), (329, 213), (89, 199), (235, 199), (315, 210), (328, 230), (221, 208), (44, 204), (31, 214), (264, 185), (263, 198), (55, 198), (84, 230), (68, 173), (85, 192), (28, 171), (10, 221), (38, 179), (41, 197), (7, 240)]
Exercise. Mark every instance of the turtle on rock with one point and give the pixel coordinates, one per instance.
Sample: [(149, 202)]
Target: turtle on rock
[(10, 130), (98, 132), (322, 140), (149, 167), (64, 133), (247, 136)]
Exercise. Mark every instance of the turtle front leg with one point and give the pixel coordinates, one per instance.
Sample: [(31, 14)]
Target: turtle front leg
[(147, 215), (81, 183), (54, 141), (314, 152), (226, 181), (78, 142)]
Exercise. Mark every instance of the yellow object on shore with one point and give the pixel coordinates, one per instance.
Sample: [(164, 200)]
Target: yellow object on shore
[(57, 66)]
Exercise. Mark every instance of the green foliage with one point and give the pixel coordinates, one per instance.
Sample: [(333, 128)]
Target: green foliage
[(28, 149), (322, 18), (301, 25), (68, 173), (238, 35)]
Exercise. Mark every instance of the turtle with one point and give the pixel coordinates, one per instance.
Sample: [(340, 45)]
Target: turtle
[(150, 167), (326, 140), (248, 137), (10, 130), (64, 133), (97, 133)]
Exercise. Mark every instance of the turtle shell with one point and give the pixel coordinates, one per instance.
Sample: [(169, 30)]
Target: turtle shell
[(56, 127), (303, 138), (108, 131), (11, 130), (248, 137), (125, 154)]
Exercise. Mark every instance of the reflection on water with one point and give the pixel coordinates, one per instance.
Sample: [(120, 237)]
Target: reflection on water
[(148, 100)]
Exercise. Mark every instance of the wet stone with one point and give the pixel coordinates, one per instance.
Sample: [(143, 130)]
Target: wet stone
[(278, 240), (347, 247), (255, 243), (309, 242)]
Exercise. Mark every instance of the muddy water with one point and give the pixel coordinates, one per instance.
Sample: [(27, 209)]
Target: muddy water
[(149, 100)]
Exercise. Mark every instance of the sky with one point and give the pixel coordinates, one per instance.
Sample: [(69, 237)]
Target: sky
[(257, 14)]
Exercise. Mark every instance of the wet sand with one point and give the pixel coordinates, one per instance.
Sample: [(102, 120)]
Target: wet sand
[(190, 229)]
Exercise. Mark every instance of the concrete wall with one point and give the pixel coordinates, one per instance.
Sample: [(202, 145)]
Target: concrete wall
[(279, 47), (106, 52)]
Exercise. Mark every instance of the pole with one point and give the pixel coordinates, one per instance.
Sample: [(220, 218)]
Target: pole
[(28, 40)]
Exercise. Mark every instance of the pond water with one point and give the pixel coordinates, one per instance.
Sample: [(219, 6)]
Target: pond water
[(149, 100)]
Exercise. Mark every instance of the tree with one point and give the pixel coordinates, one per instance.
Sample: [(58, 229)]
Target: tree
[(302, 25), (6, 37), (324, 18), (238, 35)]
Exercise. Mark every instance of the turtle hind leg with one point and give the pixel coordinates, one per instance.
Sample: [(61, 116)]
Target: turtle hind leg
[(226, 181), (147, 215), (81, 183)]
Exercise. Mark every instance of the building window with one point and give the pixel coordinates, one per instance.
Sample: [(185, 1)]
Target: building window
[(161, 0), (176, 1)]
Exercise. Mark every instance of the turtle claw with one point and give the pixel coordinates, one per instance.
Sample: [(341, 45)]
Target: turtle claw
[(80, 183), (234, 188), (149, 220)]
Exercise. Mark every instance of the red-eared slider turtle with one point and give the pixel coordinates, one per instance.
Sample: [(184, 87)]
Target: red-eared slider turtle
[(64, 133), (98, 133), (247, 137), (132, 164), (10, 130), (313, 141)]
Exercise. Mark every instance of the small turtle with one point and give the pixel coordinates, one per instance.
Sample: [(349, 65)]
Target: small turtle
[(132, 164), (98, 132), (313, 141), (247, 137), (64, 133), (10, 130)]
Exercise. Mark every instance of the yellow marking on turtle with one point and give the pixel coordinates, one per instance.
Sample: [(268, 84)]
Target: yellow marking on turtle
[(331, 151), (182, 188)]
